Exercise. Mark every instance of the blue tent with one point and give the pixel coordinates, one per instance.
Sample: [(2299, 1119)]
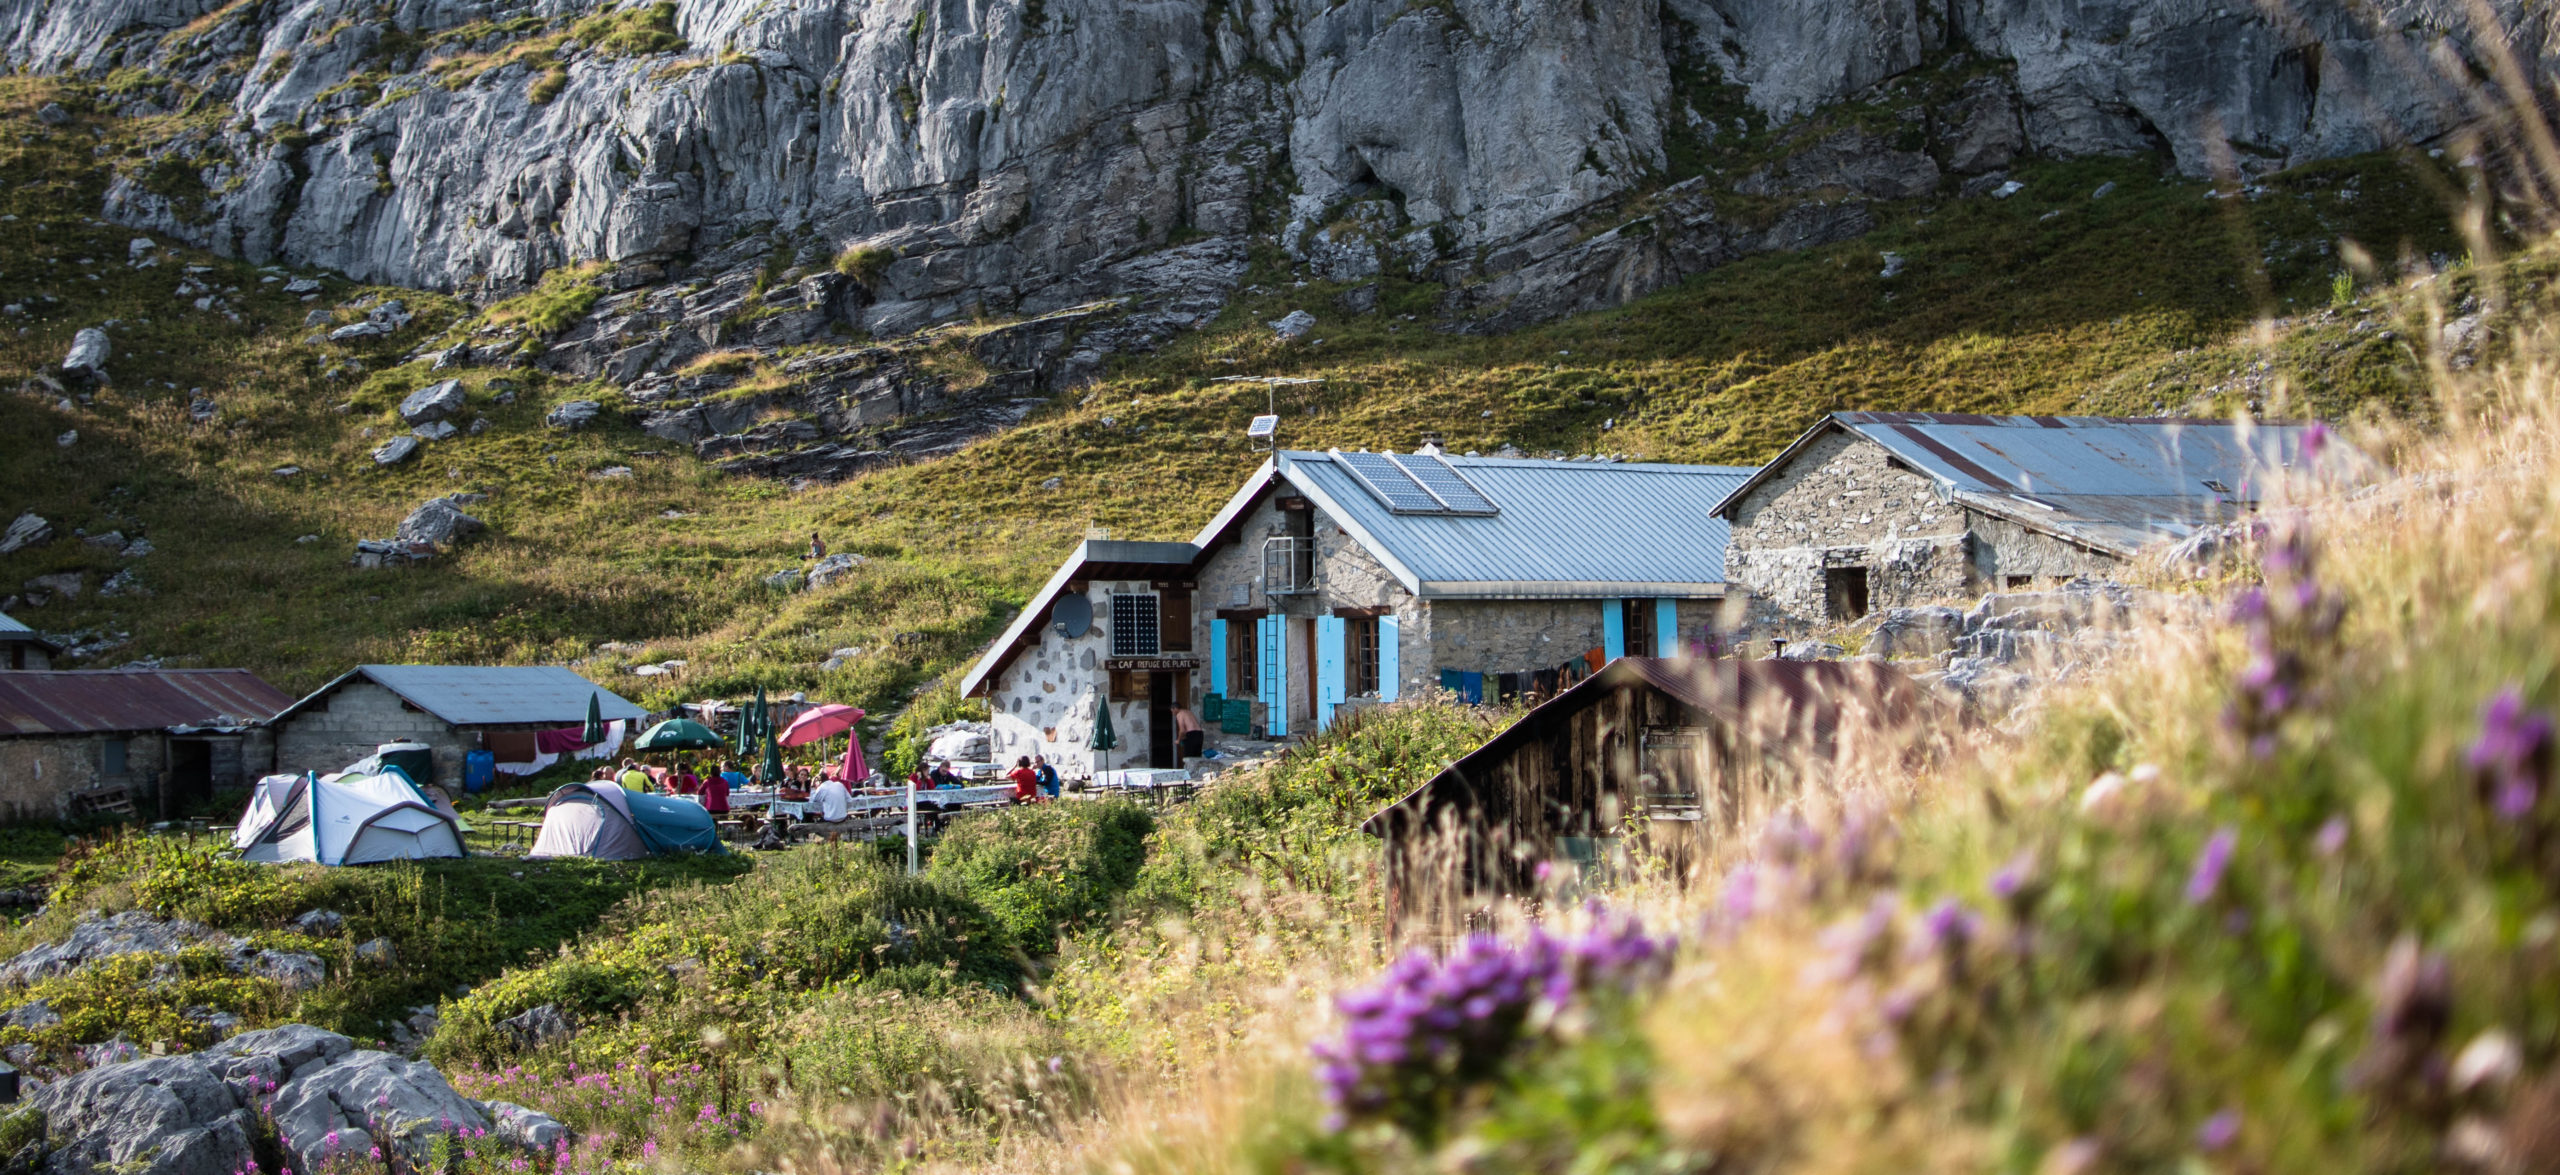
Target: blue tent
[(602, 821)]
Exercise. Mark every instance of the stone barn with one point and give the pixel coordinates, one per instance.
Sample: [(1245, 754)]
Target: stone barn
[(1669, 757), (1335, 580), (453, 709), (22, 647), (144, 741), (1874, 510)]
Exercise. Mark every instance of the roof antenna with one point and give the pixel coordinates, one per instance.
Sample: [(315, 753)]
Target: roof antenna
[(1430, 446), (1266, 427)]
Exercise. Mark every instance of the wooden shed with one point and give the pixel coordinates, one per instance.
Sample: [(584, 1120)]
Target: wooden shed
[(1651, 755)]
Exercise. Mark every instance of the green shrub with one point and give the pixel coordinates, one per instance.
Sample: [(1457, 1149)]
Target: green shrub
[(1043, 868), (865, 263), (548, 86), (556, 301), (631, 32)]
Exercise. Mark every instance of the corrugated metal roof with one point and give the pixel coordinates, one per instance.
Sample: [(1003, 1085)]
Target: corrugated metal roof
[(2114, 483), (1093, 559), (90, 701), (486, 695), (1567, 529), (1799, 702), (14, 630)]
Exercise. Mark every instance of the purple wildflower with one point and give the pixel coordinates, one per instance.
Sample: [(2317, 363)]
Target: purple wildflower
[(2512, 756), (2332, 837), (1950, 925), (1430, 1027), (2210, 865), (2218, 1131), (2286, 623)]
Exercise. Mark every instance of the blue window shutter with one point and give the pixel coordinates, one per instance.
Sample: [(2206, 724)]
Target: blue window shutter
[(1275, 676), (1387, 658), (1454, 682), (1613, 629), (1218, 657), (1330, 679), (1666, 628)]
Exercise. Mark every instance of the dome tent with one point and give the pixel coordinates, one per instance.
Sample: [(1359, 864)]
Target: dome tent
[(607, 823), (346, 820)]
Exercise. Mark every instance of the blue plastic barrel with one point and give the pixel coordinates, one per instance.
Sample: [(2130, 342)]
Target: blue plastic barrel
[(478, 768)]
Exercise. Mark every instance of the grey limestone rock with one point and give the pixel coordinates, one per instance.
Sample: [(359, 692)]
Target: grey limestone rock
[(377, 952), (573, 414), (89, 353), (96, 938), (358, 331), (522, 1128), (832, 568), (539, 1026), (439, 521), (395, 451), (441, 430), (1294, 324), (27, 530), (441, 400), (294, 971)]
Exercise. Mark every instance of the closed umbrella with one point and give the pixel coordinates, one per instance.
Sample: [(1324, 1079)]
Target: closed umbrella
[(1104, 738), (594, 732), (772, 761)]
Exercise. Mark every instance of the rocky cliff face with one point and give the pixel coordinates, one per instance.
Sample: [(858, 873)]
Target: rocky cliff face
[(1025, 157)]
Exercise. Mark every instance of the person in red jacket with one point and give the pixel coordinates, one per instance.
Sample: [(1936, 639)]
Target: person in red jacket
[(1026, 782)]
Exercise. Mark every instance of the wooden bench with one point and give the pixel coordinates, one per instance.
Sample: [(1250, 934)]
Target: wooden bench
[(98, 800)]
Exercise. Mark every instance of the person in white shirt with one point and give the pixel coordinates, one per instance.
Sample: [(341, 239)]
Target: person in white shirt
[(833, 799)]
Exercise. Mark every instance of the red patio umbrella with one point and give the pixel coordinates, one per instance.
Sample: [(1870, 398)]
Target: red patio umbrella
[(826, 722)]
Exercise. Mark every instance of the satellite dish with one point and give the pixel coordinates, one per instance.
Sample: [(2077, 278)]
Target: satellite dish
[(1071, 616)]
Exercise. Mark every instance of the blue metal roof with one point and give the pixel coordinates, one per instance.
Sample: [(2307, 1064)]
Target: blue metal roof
[(14, 630), (2112, 483), (1566, 530), (487, 695)]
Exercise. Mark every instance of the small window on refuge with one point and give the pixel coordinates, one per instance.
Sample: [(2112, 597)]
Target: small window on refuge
[(1844, 589), (1135, 628)]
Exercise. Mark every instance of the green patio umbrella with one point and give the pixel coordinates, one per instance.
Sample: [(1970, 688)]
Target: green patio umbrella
[(594, 732), (1104, 738), (772, 758), (678, 734)]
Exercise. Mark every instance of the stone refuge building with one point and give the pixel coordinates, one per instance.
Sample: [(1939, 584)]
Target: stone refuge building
[(1334, 580), (22, 647), (1872, 510), (166, 738), (453, 709)]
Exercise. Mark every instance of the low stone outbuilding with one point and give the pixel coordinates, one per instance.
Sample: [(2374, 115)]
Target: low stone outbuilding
[(1335, 580), (453, 709), (22, 647), (1874, 510), (160, 739)]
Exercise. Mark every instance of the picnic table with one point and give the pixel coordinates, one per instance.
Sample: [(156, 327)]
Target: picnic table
[(1154, 783)]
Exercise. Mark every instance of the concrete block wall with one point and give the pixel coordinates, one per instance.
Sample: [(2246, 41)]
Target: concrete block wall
[(360, 716)]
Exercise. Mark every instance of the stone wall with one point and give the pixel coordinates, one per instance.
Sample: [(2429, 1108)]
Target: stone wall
[(1846, 502), (2009, 556), (1347, 576), (39, 775), (348, 724), (1045, 700)]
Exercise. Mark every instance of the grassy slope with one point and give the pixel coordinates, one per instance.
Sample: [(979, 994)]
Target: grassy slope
[(2048, 301)]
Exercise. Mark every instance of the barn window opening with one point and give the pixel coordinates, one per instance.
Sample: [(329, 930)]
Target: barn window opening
[(1641, 639), (1845, 590), (111, 757), (1135, 630), (1174, 601), (2019, 583), (1244, 670)]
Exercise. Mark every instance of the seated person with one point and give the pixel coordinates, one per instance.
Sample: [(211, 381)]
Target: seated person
[(944, 776), (735, 778), (686, 782), (834, 802), (793, 786), (1048, 775), (1026, 782), (715, 793), (633, 778)]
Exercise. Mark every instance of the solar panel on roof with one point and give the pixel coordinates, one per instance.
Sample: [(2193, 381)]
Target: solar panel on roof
[(1445, 482), (1386, 479)]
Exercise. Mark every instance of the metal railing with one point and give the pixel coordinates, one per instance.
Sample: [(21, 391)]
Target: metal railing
[(1288, 565)]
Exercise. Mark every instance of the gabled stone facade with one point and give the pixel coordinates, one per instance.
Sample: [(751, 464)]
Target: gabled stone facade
[(1844, 511)]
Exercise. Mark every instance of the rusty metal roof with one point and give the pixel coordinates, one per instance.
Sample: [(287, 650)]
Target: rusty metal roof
[(1772, 702), (2113, 483), (96, 701)]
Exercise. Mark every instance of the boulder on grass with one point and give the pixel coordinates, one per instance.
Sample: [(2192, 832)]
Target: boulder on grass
[(89, 352), (441, 400)]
